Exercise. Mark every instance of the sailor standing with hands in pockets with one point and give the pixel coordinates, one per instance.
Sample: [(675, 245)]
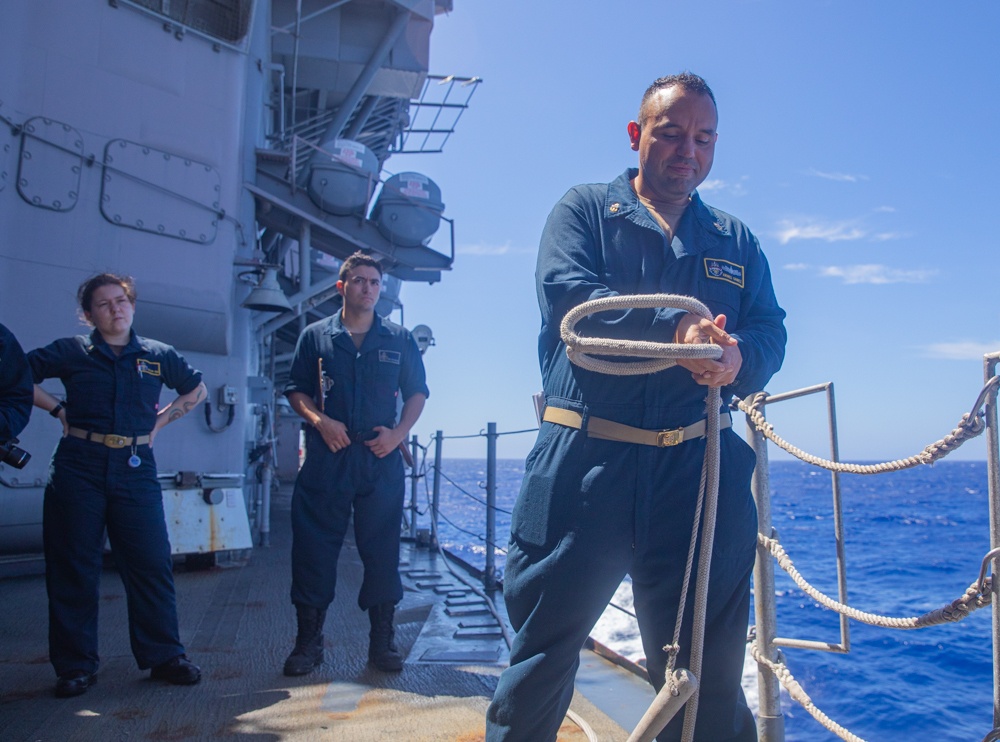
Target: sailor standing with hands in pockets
[(103, 475)]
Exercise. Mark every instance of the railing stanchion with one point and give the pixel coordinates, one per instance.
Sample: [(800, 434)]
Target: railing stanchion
[(993, 475), (414, 476), (436, 494), (490, 573), (770, 721)]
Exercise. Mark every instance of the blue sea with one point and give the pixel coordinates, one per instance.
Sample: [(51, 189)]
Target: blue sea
[(914, 541)]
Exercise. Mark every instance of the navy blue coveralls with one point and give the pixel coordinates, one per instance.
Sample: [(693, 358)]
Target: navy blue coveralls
[(591, 511), (362, 387), (91, 487), (16, 389)]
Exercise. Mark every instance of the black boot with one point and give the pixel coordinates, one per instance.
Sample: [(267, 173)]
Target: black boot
[(382, 650), (307, 654)]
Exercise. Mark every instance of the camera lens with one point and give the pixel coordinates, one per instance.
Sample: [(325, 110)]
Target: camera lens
[(12, 455)]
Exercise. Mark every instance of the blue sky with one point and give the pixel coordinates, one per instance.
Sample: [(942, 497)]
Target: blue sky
[(858, 140)]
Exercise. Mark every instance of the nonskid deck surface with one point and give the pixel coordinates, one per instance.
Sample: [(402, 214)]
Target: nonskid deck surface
[(238, 625)]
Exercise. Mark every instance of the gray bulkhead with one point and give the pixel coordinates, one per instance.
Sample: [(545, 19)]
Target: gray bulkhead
[(168, 145)]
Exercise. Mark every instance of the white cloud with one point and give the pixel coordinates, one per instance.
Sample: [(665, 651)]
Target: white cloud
[(796, 266), (483, 249), (884, 236), (812, 229), (885, 209), (717, 185), (839, 177), (875, 274), (966, 350)]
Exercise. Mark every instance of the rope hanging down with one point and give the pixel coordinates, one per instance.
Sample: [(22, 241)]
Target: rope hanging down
[(579, 349)]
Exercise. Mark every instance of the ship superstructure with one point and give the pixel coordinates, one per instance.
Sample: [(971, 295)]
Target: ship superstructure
[(226, 154)]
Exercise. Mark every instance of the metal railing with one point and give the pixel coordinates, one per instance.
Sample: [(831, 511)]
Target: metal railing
[(490, 433), (770, 718)]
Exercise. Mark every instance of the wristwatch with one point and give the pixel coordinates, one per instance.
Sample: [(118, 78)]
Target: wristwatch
[(55, 410)]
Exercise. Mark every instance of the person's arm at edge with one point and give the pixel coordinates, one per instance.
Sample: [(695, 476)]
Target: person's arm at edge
[(177, 409), (45, 401), (15, 386)]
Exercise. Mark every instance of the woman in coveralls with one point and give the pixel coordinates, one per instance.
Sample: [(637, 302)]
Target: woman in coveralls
[(103, 476)]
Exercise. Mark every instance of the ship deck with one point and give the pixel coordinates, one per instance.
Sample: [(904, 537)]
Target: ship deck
[(238, 625)]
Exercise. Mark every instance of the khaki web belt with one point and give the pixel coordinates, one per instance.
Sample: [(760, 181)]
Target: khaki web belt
[(611, 431), (110, 439)]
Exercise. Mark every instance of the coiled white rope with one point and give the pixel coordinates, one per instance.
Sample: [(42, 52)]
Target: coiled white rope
[(579, 350)]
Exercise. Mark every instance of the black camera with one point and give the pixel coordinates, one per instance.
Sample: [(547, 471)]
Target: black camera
[(12, 455)]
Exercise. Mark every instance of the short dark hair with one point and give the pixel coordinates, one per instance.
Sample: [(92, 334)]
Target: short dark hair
[(691, 82), (353, 261), (85, 294)]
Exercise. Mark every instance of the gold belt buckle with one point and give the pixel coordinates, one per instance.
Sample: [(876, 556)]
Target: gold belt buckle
[(115, 441), (670, 437)]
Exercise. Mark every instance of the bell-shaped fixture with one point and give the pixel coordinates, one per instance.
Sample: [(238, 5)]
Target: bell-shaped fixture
[(268, 296)]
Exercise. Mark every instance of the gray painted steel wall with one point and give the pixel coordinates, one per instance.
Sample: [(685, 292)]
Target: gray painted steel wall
[(129, 92), (129, 143)]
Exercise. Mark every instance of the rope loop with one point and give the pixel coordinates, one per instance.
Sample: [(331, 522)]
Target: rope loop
[(658, 356)]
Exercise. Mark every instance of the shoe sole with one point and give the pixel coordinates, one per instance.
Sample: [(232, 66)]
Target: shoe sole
[(178, 681), (294, 673), (388, 669), (76, 691)]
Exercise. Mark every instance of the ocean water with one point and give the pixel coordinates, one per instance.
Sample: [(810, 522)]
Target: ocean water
[(914, 541)]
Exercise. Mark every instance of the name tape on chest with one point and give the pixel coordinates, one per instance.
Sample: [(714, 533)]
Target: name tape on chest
[(723, 270), (149, 368), (390, 356)]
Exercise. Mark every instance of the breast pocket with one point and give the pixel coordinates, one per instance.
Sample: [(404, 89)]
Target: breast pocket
[(721, 288), (387, 367), (149, 391)]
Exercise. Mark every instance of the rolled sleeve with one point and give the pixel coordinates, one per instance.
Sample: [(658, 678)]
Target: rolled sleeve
[(179, 375), (412, 377), (303, 374)]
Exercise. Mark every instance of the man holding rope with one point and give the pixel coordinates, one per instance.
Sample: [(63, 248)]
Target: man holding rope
[(611, 485)]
